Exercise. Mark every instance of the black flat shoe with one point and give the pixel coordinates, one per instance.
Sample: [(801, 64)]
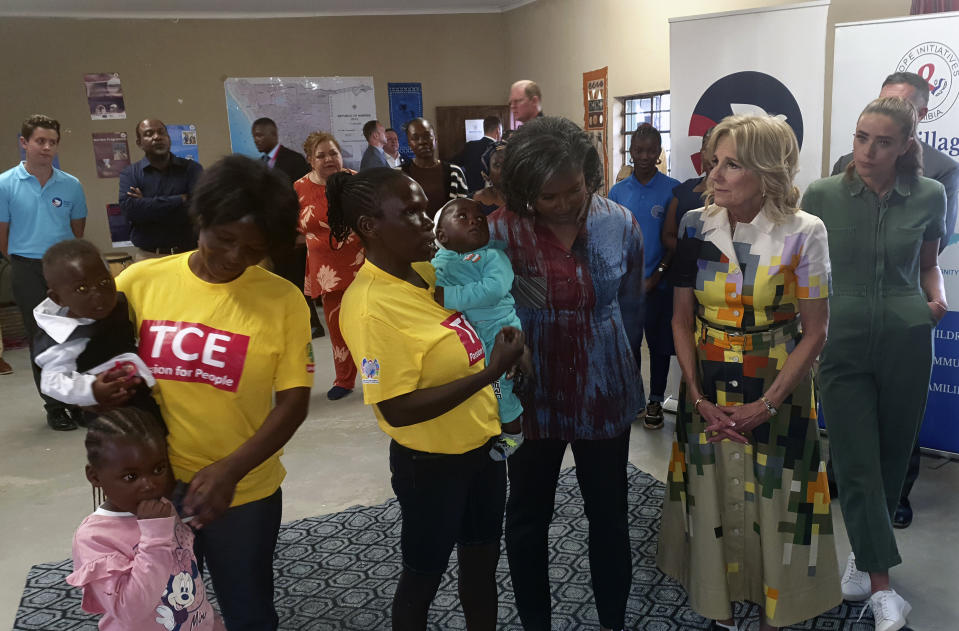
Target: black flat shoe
[(336, 393), (903, 516), (59, 420)]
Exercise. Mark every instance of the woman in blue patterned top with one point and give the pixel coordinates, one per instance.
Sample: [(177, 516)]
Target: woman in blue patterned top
[(578, 264)]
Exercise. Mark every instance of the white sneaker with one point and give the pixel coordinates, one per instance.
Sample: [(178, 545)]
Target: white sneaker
[(889, 610), (856, 585)]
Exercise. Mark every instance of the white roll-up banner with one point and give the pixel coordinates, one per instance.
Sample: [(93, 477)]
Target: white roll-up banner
[(748, 62)]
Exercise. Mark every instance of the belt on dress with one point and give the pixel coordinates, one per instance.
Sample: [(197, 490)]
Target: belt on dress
[(748, 340)]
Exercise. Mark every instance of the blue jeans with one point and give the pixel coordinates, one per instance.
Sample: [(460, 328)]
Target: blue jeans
[(238, 549)]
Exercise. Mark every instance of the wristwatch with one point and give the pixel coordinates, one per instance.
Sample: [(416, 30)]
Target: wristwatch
[(769, 406)]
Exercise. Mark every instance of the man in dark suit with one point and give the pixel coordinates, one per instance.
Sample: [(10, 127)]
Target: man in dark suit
[(289, 261), (374, 156), (267, 142), (470, 158), (945, 170)]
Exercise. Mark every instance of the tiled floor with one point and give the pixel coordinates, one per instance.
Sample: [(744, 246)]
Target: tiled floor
[(338, 459)]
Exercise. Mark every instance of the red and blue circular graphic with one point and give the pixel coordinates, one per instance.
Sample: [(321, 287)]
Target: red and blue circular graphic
[(747, 92)]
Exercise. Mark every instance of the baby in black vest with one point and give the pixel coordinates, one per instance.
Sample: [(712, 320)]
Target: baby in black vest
[(86, 347)]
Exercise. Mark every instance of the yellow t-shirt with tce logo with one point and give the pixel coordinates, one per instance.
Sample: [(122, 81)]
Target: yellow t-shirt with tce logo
[(218, 351), (401, 341)]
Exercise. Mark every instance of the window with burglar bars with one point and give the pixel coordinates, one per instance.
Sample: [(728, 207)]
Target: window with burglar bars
[(652, 108)]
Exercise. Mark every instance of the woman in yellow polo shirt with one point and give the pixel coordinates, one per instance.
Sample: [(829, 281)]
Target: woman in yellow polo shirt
[(426, 375)]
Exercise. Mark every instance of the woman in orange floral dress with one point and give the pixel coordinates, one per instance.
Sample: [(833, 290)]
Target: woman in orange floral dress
[(330, 265)]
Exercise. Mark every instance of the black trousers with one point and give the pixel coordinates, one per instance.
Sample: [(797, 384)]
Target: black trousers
[(29, 290), (290, 263), (912, 473), (601, 472)]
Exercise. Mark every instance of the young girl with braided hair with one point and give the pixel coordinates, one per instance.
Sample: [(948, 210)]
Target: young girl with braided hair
[(133, 557)]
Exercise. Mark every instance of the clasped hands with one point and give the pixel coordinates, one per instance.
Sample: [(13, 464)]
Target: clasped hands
[(732, 421)]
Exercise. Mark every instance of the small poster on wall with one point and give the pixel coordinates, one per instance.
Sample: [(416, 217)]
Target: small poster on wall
[(474, 129), (111, 153), (183, 141), (406, 103), (594, 114), (105, 95)]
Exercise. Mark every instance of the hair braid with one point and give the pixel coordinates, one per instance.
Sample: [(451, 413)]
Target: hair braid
[(350, 196), (127, 422)]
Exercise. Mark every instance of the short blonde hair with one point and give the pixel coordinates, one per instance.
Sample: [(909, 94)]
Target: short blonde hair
[(766, 146), (314, 139)]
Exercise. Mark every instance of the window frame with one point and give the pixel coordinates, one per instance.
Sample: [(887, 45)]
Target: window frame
[(629, 120)]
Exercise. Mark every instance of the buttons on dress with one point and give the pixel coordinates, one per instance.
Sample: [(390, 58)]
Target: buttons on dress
[(732, 294), (736, 312), (737, 456)]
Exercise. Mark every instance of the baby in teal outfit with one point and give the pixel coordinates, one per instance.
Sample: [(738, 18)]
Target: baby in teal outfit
[(474, 276)]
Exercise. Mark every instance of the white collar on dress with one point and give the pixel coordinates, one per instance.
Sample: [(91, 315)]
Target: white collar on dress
[(716, 221), (53, 319), (110, 513)]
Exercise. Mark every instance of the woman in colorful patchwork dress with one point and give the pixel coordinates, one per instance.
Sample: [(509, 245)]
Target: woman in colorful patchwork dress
[(746, 515), (884, 223), (330, 264)]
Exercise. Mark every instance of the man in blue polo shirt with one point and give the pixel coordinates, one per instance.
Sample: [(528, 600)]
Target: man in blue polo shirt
[(39, 205), (155, 195), (647, 193)]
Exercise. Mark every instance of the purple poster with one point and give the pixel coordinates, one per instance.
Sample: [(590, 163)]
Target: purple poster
[(111, 153)]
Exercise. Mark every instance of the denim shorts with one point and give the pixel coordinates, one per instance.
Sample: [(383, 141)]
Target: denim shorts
[(446, 500)]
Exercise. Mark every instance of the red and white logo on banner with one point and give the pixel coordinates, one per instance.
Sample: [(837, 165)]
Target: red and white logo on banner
[(468, 336), (188, 351)]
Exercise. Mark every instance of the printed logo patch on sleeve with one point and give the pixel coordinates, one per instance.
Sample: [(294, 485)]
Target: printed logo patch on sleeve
[(468, 336), (371, 371), (189, 351)]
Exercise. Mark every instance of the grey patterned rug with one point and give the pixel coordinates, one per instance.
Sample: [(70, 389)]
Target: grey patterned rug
[(337, 572)]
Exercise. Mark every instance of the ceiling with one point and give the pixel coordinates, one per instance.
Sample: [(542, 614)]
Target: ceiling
[(207, 9)]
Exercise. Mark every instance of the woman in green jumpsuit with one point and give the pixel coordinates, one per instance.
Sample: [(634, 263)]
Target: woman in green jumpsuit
[(884, 223)]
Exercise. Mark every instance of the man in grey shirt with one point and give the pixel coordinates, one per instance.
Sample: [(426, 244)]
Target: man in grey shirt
[(945, 170)]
